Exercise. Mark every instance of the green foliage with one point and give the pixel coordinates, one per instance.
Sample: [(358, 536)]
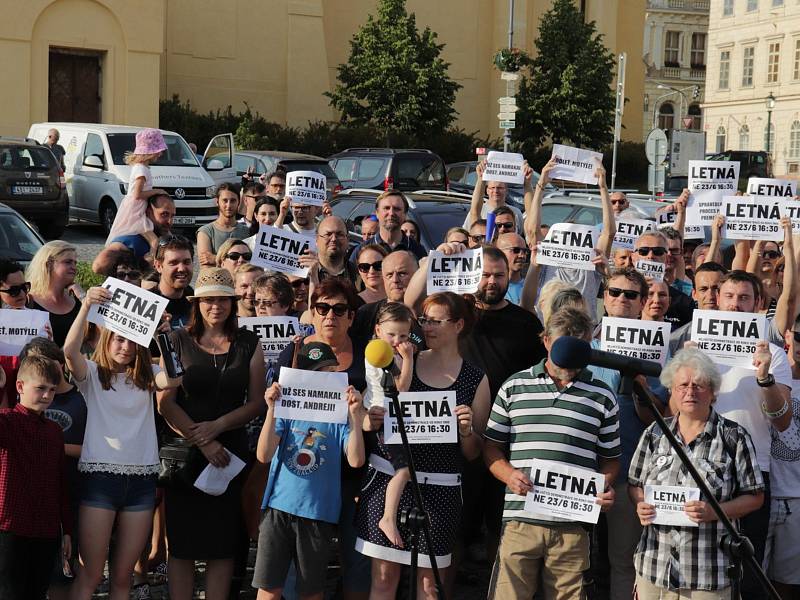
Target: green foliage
[(174, 115), (567, 96), (395, 80), (87, 278)]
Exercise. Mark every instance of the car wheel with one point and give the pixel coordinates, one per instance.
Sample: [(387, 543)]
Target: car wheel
[(108, 212), (51, 231)]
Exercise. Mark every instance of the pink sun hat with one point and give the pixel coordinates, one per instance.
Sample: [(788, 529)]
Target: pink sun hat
[(149, 141)]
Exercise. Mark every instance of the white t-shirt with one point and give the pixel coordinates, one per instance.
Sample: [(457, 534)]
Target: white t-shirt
[(120, 434), (784, 478), (309, 233), (740, 400)]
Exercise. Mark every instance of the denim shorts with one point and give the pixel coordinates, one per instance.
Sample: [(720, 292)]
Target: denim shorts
[(117, 492)]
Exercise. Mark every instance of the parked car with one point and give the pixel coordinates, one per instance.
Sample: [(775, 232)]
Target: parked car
[(461, 177), (19, 240), (387, 168), (264, 162), (433, 212), (32, 183), (752, 163), (585, 209)]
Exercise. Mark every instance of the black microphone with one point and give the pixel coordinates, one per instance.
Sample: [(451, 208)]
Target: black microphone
[(574, 353)]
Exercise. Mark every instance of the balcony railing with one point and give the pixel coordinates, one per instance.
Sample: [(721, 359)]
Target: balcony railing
[(692, 5), (684, 73)]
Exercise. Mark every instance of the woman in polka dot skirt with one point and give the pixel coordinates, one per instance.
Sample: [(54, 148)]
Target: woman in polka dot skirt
[(446, 318)]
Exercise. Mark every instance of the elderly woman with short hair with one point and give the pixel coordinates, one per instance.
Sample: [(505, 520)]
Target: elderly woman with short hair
[(676, 562)]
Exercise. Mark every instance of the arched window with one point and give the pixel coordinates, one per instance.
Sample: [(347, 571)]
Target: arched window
[(666, 116), (697, 117), (720, 142), (769, 138), (744, 137), (794, 140)]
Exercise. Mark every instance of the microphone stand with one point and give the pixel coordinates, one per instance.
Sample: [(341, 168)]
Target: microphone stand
[(736, 546), (414, 517)]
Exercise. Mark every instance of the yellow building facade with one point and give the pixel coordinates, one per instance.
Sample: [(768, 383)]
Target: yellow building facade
[(112, 60)]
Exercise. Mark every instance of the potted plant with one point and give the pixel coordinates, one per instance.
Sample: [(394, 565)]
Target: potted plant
[(509, 60)]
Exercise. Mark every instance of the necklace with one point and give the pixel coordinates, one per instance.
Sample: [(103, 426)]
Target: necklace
[(214, 350)]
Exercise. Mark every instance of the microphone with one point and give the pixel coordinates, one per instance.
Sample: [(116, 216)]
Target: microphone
[(380, 354), (574, 353)]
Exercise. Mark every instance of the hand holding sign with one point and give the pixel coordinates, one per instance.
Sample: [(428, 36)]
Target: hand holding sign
[(125, 309), (306, 187), (507, 167), (762, 359), (575, 164)]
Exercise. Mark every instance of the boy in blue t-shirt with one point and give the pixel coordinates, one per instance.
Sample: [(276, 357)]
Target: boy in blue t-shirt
[(303, 497)]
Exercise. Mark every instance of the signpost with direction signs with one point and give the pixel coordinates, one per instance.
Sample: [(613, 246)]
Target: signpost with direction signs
[(508, 107)]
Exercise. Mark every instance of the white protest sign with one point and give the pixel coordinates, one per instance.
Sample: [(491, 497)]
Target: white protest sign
[(429, 418), (508, 167), (669, 501), (791, 209), (690, 232), (18, 327), (306, 187), (568, 245), (777, 188), (728, 337), (317, 396), (709, 181), (563, 491), (651, 269), (752, 218), (132, 312), (280, 250), (645, 340), (575, 164), (275, 333), (630, 229), (459, 273)]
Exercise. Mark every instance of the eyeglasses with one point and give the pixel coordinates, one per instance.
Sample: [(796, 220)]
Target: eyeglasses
[(629, 294), (516, 250), (323, 308), (302, 206), (695, 387), (16, 290), (129, 275), (365, 267), (504, 226), (478, 239), (298, 283), (771, 254), (267, 303), (423, 321), (656, 250), (332, 234), (234, 256)]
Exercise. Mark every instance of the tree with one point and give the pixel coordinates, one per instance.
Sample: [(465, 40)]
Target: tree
[(567, 97), (395, 80)]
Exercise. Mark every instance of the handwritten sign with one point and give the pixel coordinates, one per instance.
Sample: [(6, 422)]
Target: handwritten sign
[(317, 396), (630, 229), (429, 418), (690, 232), (280, 250), (132, 312), (728, 337), (18, 327), (459, 273), (508, 167), (669, 501), (646, 340), (306, 187), (651, 269), (709, 181), (568, 245), (791, 209), (752, 218), (776, 188), (564, 492), (575, 164), (275, 333)]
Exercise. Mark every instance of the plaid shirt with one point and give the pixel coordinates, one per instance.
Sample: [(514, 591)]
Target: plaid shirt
[(689, 557)]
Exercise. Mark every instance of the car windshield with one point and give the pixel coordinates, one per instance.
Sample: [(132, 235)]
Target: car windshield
[(26, 158), (177, 154), (437, 222), (17, 241)]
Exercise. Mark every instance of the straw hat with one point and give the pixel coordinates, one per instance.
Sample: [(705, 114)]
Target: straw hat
[(214, 282)]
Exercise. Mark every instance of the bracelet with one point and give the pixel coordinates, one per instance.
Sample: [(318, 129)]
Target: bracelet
[(469, 433), (778, 413)]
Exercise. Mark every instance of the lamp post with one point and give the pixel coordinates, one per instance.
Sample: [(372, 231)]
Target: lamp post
[(770, 107)]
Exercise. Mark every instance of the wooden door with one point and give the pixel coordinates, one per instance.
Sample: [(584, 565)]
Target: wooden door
[(74, 87)]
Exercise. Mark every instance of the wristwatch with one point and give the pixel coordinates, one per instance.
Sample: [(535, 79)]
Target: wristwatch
[(768, 381)]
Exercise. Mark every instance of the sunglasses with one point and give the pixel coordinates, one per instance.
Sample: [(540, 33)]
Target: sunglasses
[(618, 201), (16, 290), (656, 250), (234, 256), (504, 226), (323, 308), (629, 294), (129, 275), (423, 321), (771, 254), (168, 239), (365, 267), (478, 239), (516, 250), (298, 283), (267, 303)]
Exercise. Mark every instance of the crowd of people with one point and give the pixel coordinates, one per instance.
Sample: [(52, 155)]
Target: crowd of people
[(87, 413)]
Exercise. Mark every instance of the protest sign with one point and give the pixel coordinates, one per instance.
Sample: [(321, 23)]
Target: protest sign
[(651, 269), (132, 312), (564, 492), (18, 327), (280, 250), (575, 164), (645, 340), (508, 167), (791, 209), (729, 338), (690, 232), (429, 418), (709, 181), (752, 218), (776, 188), (568, 245), (459, 273), (306, 187), (630, 229), (669, 501), (275, 333), (317, 396)]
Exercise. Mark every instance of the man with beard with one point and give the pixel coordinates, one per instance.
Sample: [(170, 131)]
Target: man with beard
[(391, 207), (173, 262), (212, 235), (330, 260), (517, 253)]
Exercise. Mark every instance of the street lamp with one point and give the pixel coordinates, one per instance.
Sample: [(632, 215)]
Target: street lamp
[(770, 107)]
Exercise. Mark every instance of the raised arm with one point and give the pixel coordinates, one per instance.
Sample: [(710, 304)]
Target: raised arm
[(530, 286), (527, 187), (609, 225), (477, 194), (680, 212), (282, 212), (533, 213), (355, 417), (741, 255), (786, 308), (268, 439), (716, 238), (76, 361), (754, 260)]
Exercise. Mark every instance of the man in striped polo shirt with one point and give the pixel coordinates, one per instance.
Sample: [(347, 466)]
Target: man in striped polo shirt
[(560, 415)]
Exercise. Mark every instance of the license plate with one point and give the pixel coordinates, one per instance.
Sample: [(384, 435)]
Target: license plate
[(27, 189), (183, 220)]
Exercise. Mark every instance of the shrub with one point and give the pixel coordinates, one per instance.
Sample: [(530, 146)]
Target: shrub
[(87, 278)]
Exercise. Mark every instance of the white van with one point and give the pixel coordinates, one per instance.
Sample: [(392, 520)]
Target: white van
[(97, 176)]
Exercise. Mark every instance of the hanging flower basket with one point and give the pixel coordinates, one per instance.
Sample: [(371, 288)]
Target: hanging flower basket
[(509, 60)]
